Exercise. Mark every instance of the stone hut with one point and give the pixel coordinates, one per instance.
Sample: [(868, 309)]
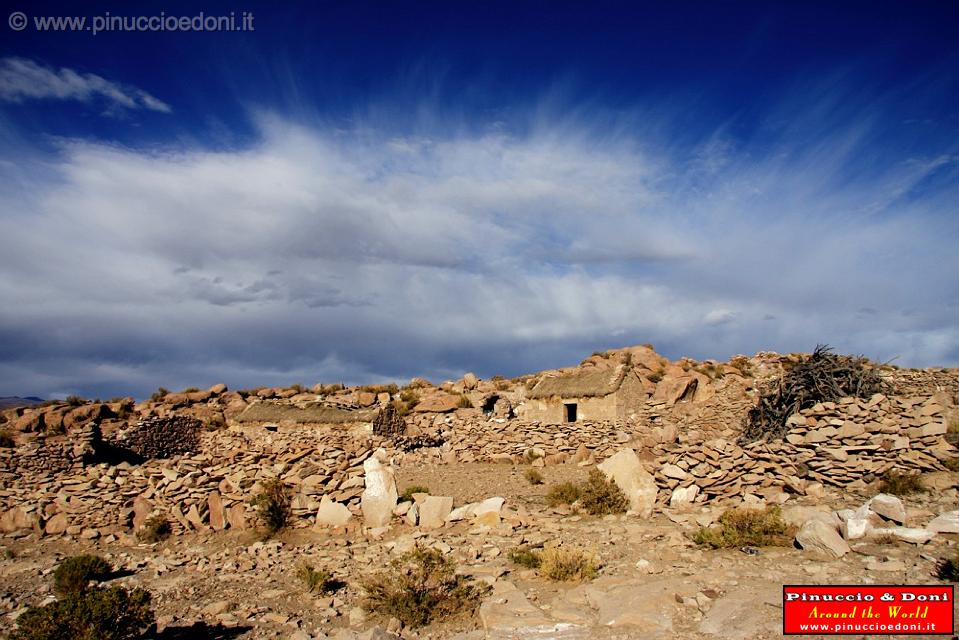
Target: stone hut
[(589, 393), (281, 415)]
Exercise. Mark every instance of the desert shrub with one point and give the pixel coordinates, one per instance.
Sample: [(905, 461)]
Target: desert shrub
[(901, 484), (407, 400), (502, 385), (407, 495), (533, 476), (299, 388), (95, 614), (464, 402), (563, 493), (567, 563), (948, 569), (419, 588), (743, 364), (390, 388), (599, 496), (74, 574), (530, 456), (159, 394), (155, 529), (655, 376), (6, 440), (822, 376), (525, 557), (191, 390), (316, 581), (952, 464), (273, 506), (75, 401), (747, 527)]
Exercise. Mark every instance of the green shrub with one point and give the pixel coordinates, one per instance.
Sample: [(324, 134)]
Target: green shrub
[(599, 496), (273, 506), (901, 484), (747, 527), (419, 588), (533, 476), (525, 557), (563, 493), (95, 614), (407, 495), (155, 529), (316, 581), (567, 563), (74, 574), (6, 440)]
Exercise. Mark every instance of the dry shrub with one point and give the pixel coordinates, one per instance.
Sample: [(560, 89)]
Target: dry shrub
[(525, 557), (599, 496), (6, 440), (533, 476), (567, 563), (952, 464), (464, 402), (155, 529), (901, 484), (273, 506), (948, 569), (407, 495), (316, 581), (421, 587), (563, 493), (748, 527)]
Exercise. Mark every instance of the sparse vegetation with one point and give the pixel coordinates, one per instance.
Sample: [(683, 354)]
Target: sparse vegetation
[(563, 493), (951, 464), (599, 496), (316, 581), (464, 402), (419, 588), (567, 563), (156, 529), (95, 614), (407, 495), (743, 364), (655, 376), (530, 456), (74, 574), (747, 527), (390, 388), (948, 569), (822, 376), (191, 390), (901, 484), (525, 557), (74, 401), (6, 440), (159, 394), (533, 476), (273, 506)]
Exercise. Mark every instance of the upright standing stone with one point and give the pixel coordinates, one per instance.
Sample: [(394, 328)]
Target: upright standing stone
[(217, 517), (379, 497), (628, 473)]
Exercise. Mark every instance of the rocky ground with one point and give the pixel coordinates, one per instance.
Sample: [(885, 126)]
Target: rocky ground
[(654, 581)]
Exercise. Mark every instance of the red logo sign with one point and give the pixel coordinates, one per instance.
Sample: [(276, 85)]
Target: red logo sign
[(868, 609)]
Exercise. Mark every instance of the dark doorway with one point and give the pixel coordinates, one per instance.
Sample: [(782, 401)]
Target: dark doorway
[(570, 411)]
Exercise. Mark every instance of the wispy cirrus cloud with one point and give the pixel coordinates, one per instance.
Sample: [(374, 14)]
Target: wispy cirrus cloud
[(22, 79)]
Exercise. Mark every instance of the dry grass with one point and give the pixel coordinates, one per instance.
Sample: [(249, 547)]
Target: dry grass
[(464, 402), (901, 484), (316, 581), (563, 493), (419, 588), (273, 506), (567, 563), (533, 476), (525, 557), (747, 527), (6, 440)]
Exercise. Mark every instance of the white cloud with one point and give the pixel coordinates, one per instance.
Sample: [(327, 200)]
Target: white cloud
[(22, 79), (324, 254)]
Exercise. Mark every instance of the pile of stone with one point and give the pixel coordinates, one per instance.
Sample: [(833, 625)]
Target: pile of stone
[(162, 437), (850, 442)]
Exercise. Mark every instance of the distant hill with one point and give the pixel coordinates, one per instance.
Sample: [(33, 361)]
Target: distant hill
[(9, 402)]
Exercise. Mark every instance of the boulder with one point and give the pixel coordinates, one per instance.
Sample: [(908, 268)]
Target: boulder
[(217, 515), (819, 537), (889, 507), (434, 510), (945, 523), (470, 381), (379, 497), (625, 469), (683, 495), (332, 513), (57, 524)]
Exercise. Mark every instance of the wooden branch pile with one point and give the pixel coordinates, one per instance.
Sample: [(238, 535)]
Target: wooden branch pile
[(822, 376)]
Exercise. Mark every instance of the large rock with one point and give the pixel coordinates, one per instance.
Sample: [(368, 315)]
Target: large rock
[(217, 515), (947, 522), (16, 519), (57, 524), (379, 497), (628, 473), (332, 513), (683, 495), (889, 507), (434, 510), (819, 537)]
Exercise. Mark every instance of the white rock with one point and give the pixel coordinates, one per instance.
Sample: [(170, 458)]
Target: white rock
[(854, 528), (683, 495), (889, 507), (820, 537), (379, 497), (434, 510), (907, 534), (332, 513), (490, 505), (945, 523), (629, 474)]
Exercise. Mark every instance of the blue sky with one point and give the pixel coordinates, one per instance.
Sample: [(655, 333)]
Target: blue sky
[(372, 191)]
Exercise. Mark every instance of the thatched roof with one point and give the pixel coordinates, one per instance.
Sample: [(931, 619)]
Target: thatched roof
[(590, 382), (308, 414)]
